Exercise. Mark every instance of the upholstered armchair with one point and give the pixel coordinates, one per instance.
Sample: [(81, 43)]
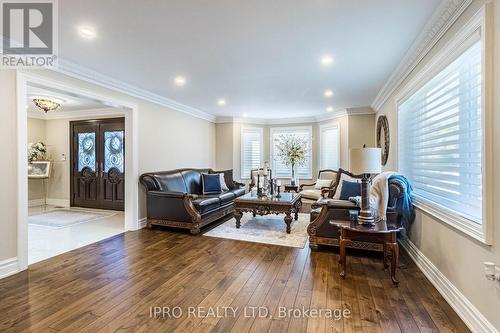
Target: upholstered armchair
[(324, 184)]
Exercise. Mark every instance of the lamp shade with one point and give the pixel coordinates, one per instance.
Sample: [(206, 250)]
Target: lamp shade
[(365, 160)]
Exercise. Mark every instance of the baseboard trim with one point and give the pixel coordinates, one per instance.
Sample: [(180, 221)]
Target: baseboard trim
[(36, 202), (58, 202), (142, 223), (8, 267), (462, 306)]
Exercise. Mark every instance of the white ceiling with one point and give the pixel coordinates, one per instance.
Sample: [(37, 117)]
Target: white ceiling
[(261, 56)]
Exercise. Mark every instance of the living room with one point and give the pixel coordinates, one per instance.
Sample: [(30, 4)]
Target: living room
[(308, 166)]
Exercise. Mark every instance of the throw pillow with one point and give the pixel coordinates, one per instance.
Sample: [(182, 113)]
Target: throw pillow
[(320, 183), (211, 183), (228, 177), (343, 177), (349, 190), (223, 184)]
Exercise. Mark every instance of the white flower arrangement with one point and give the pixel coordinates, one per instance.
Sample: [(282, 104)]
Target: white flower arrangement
[(292, 151), (36, 151)]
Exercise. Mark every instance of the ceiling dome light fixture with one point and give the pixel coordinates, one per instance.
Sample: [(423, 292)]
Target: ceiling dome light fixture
[(221, 102), (326, 60), (86, 32), (329, 109), (328, 93), (180, 81), (46, 104)]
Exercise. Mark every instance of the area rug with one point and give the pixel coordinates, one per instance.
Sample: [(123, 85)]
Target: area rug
[(62, 218), (269, 229)]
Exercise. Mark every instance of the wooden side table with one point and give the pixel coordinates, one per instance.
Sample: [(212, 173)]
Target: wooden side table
[(292, 188), (378, 233)]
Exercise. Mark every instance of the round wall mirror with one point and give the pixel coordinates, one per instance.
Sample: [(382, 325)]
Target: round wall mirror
[(383, 139)]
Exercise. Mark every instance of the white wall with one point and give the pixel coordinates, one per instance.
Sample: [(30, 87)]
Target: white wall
[(457, 256)]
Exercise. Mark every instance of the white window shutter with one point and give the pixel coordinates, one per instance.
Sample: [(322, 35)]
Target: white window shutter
[(440, 137)]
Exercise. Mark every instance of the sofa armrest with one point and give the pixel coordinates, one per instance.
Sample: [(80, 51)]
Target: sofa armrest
[(173, 206)]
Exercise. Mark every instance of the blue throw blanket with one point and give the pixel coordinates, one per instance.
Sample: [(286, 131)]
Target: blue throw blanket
[(404, 207)]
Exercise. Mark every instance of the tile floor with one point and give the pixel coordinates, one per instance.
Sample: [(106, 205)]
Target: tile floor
[(45, 242)]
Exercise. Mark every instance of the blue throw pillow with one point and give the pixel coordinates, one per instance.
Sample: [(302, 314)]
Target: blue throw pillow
[(350, 189), (211, 183)]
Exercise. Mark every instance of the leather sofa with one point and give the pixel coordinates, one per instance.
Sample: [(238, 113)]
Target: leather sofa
[(175, 198), (322, 232)]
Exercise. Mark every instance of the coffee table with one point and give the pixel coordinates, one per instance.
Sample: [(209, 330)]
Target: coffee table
[(288, 204)]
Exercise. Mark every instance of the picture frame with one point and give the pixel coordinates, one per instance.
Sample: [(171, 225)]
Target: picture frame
[(39, 169)]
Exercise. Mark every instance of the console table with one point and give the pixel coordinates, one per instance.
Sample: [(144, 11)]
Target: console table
[(378, 233)]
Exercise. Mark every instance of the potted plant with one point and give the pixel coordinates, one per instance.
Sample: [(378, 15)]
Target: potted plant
[(292, 151)]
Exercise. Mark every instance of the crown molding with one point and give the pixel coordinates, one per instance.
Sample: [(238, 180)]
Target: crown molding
[(298, 120), (443, 18), (77, 114), (85, 74)]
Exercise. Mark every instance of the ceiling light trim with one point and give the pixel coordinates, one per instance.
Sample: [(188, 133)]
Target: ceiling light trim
[(91, 113), (447, 14), (88, 75)]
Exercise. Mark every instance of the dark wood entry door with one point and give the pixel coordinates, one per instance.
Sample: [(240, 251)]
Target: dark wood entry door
[(98, 163)]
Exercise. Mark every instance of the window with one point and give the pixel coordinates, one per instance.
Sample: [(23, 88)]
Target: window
[(329, 147), (251, 150), (440, 137), (278, 167)]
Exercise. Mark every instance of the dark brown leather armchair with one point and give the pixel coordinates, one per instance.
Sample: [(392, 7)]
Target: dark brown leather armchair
[(322, 232), (175, 198)]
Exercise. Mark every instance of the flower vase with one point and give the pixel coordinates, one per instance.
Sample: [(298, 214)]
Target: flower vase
[(293, 180)]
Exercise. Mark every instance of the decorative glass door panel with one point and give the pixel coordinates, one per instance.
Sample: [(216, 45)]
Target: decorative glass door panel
[(86, 151), (98, 163), (113, 150)]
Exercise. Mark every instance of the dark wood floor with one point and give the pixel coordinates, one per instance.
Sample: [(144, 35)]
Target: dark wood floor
[(112, 285)]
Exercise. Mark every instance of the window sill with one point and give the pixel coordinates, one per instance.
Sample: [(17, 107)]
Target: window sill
[(454, 220)]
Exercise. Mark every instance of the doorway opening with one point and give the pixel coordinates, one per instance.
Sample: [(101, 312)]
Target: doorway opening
[(55, 212)]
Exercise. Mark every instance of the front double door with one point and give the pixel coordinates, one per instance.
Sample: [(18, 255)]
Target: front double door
[(98, 163)]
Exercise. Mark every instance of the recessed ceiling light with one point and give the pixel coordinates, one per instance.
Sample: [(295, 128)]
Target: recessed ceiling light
[(221, 102), (245, 115), (328, 93), (180, 81), (87, 32), (329, 109), (326, 60)]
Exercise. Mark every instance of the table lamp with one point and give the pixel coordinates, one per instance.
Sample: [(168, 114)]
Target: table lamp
[(365, 161)]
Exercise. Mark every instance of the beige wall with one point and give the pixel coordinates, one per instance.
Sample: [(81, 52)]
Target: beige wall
[(224, 146), (36, 133), (167, 139), (457, 256), (8, 166), (57, 139), (361, 130)]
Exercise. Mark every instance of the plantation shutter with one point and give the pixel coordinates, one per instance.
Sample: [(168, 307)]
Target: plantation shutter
[(251, 152), (330, 148), (279, 168), (440, 137)]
